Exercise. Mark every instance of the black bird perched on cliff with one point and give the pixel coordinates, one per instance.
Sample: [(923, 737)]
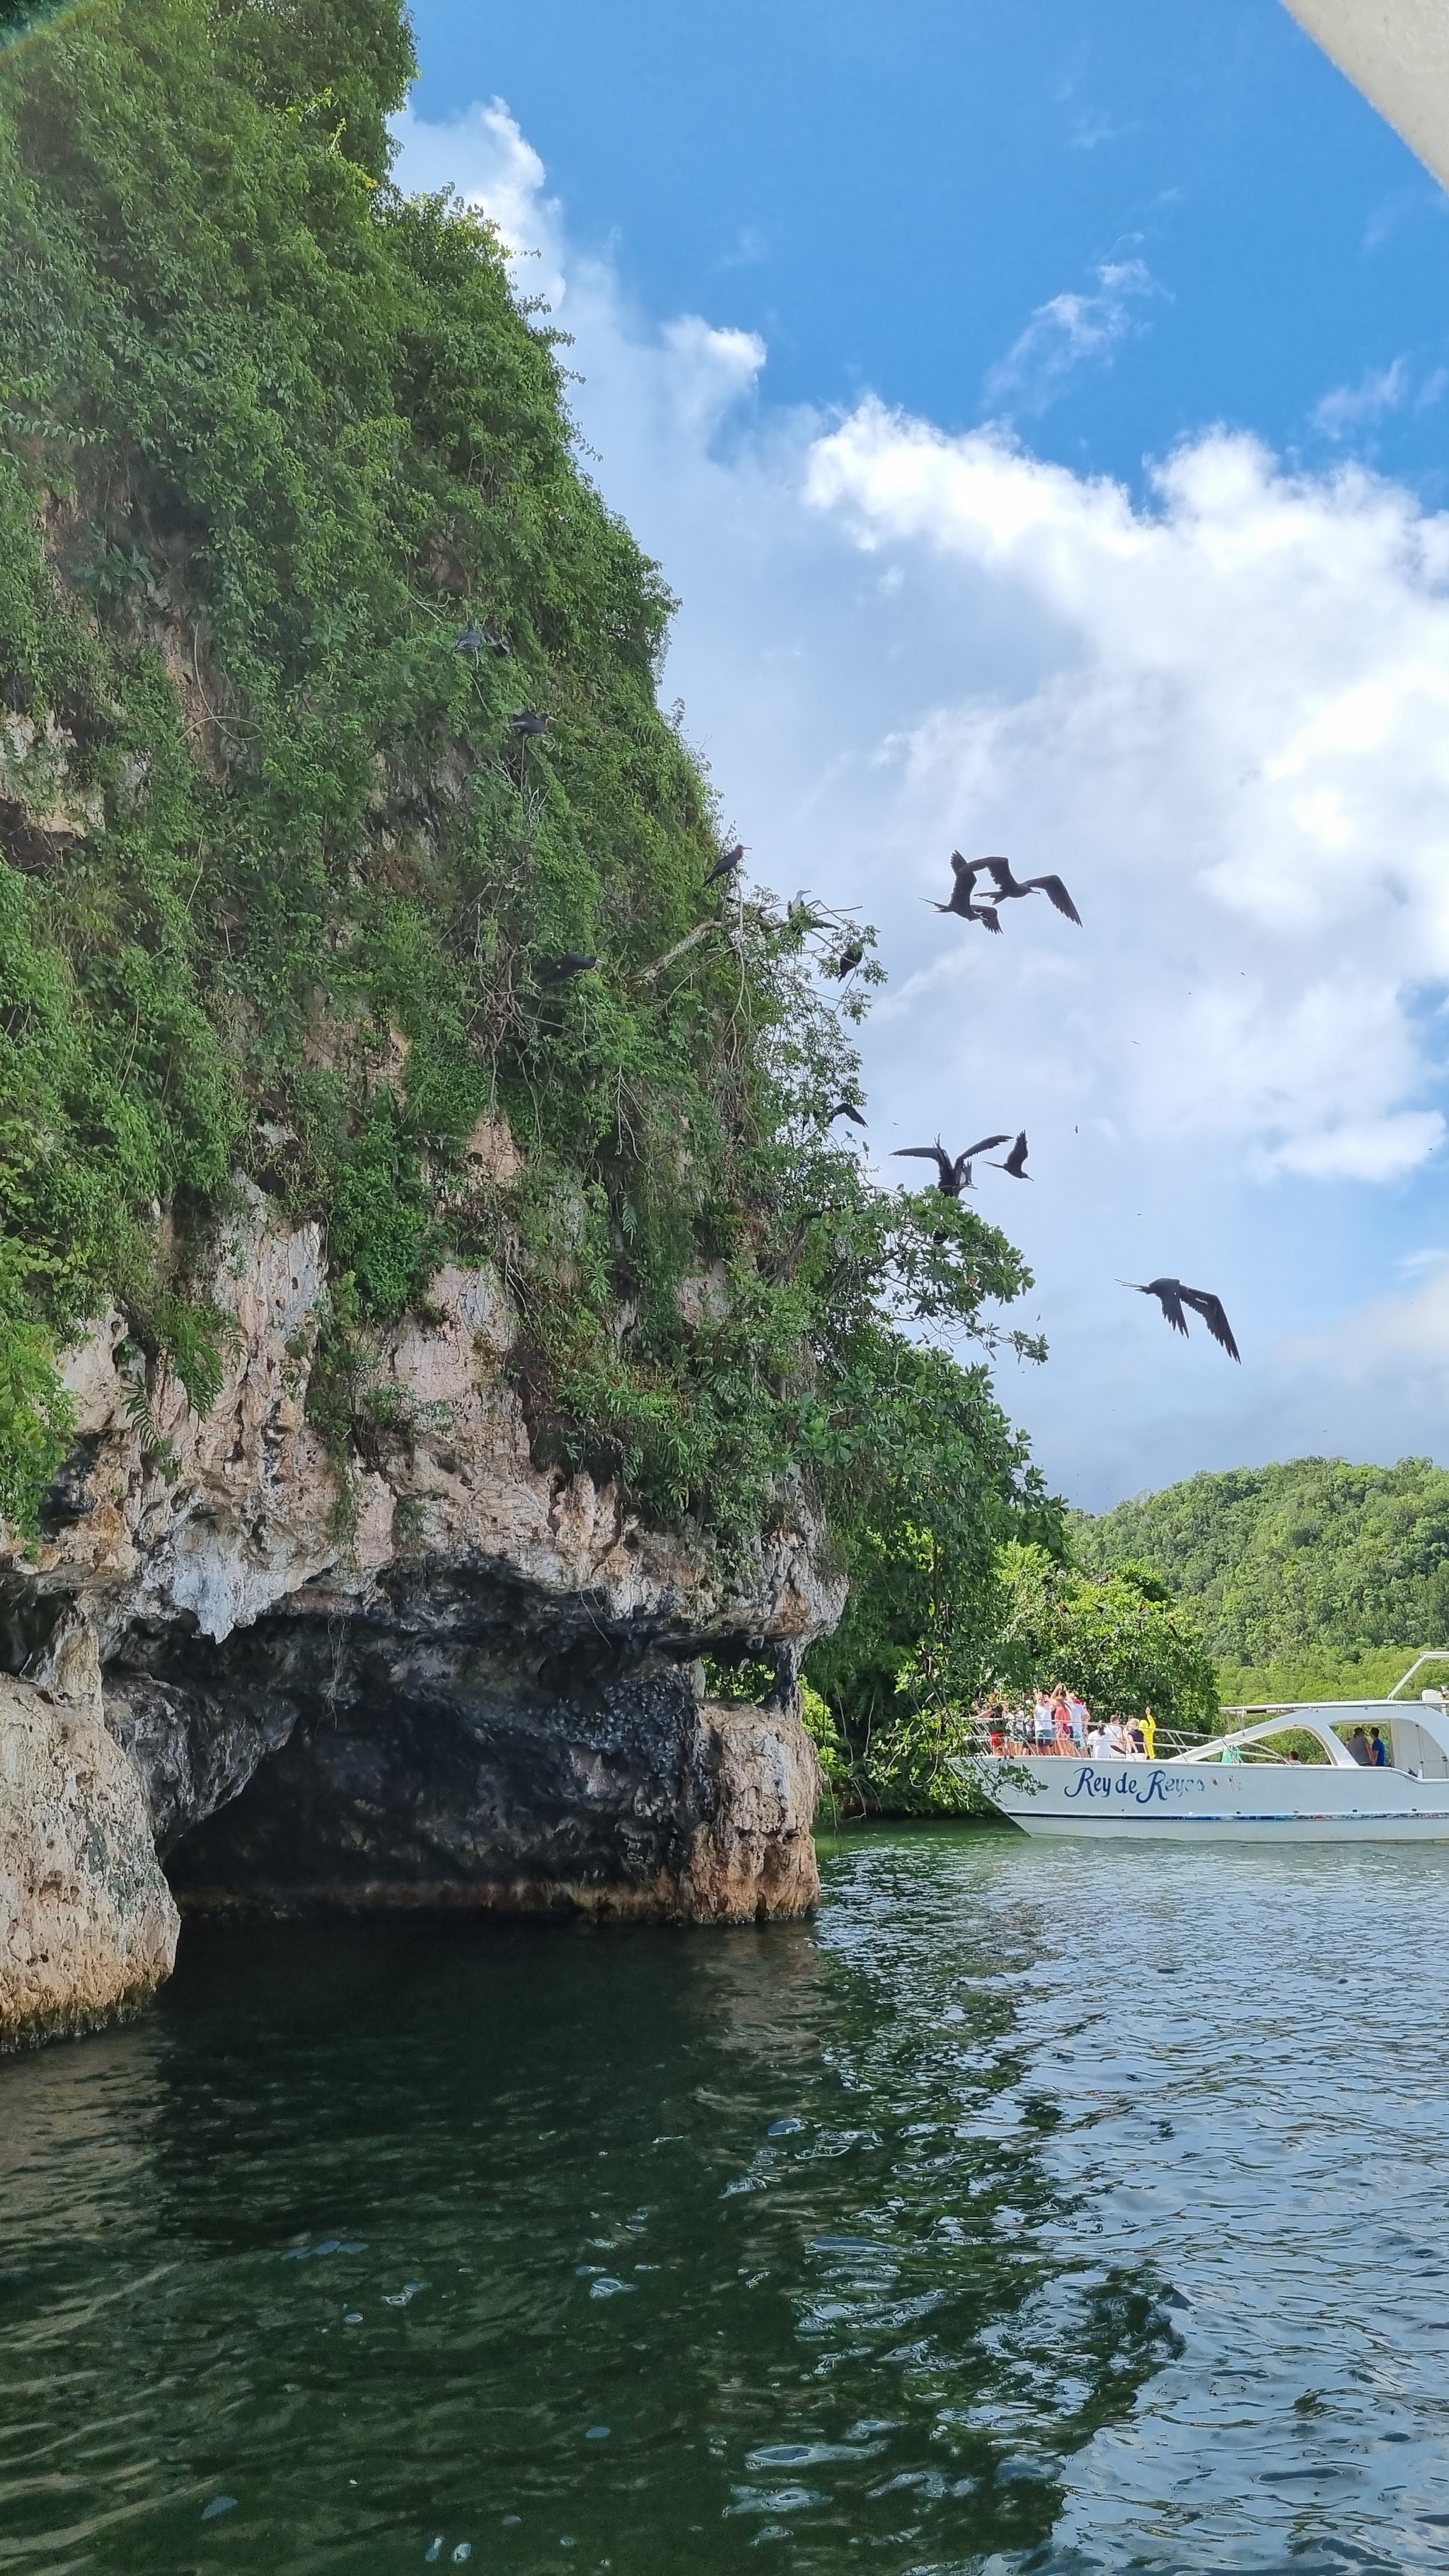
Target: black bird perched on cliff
[(1009, 887), (1172, 1296), (966, 873), (845, 1109), (848, 960), (526, 722), (951, 1177), (726, 866), (1015, 1161), (559, 969)]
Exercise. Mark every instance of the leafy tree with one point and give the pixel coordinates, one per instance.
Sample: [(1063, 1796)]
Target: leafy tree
[(1037, 1621), (922, 1547), (1116, 1638)]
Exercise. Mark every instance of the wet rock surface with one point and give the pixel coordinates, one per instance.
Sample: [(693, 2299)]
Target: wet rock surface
[(429, 1672), (87, 1922)]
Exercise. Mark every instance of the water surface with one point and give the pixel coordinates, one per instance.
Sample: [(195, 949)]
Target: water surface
[(1038, 2207)]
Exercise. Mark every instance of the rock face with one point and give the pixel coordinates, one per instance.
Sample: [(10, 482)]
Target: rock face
[(87, 1922), (431, 1673)]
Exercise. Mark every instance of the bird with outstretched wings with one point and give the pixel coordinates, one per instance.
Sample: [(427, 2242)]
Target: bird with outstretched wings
[(966, 872), (1009, 888), (953, 1173), (1172, 1296)]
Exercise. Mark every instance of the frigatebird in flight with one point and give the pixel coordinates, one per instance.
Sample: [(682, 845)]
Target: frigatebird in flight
[(526, 722), (1172, 1296), (560, 969), (1015, 1161), (952, 1177), (1009, 887), (846, 1109), (966, 872)]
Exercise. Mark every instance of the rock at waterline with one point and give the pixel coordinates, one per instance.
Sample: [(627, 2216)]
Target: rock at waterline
[(87, 1923)]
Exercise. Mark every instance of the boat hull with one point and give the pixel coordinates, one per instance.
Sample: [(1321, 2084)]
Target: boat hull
[(1251, 1802)]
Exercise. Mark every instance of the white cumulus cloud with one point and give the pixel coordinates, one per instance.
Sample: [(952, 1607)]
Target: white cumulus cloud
[(1237, 737)]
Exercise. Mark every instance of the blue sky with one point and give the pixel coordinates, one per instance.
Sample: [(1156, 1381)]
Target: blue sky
[(1040, 410), (887, 194)]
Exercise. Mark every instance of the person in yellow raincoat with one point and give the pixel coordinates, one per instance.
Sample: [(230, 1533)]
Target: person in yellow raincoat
[(1148, 1724)]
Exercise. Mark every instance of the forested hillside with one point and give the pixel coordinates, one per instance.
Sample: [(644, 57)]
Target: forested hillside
[(1304, 1574)]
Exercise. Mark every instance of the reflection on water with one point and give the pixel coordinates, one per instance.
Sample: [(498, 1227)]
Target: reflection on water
[(1036, 2208)]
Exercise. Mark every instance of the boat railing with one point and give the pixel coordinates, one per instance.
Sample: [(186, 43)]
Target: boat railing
[(1170, 1744), (1166, 1742), (1172, 1741), (1184, 1743)]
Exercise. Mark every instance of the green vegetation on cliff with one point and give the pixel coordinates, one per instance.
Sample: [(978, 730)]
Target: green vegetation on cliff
[(282, 885), (1312, 1577)]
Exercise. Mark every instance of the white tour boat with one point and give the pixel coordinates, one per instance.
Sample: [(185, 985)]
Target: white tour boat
[(1256, 1796)]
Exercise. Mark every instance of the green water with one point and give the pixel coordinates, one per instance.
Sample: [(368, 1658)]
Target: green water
[(1036, 2207)]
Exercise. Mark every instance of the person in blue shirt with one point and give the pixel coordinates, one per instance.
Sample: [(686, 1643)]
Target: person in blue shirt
[(1378, 1750)]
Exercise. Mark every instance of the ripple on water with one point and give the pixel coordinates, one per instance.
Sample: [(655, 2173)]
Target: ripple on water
[(371, 2242)]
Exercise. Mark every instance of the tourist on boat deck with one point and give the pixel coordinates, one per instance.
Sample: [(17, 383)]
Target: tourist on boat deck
[(1148, 1724), (1061, 1720), (1136, 1741), (1378, 1752), (1358, 1744), (1043, 1728), (1077, 1710)]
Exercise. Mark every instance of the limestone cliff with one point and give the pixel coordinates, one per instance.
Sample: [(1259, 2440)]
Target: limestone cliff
[(425, 1235), (486, 1693)]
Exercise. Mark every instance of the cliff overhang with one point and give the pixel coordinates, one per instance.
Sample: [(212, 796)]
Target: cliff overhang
[(436, 1676)]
